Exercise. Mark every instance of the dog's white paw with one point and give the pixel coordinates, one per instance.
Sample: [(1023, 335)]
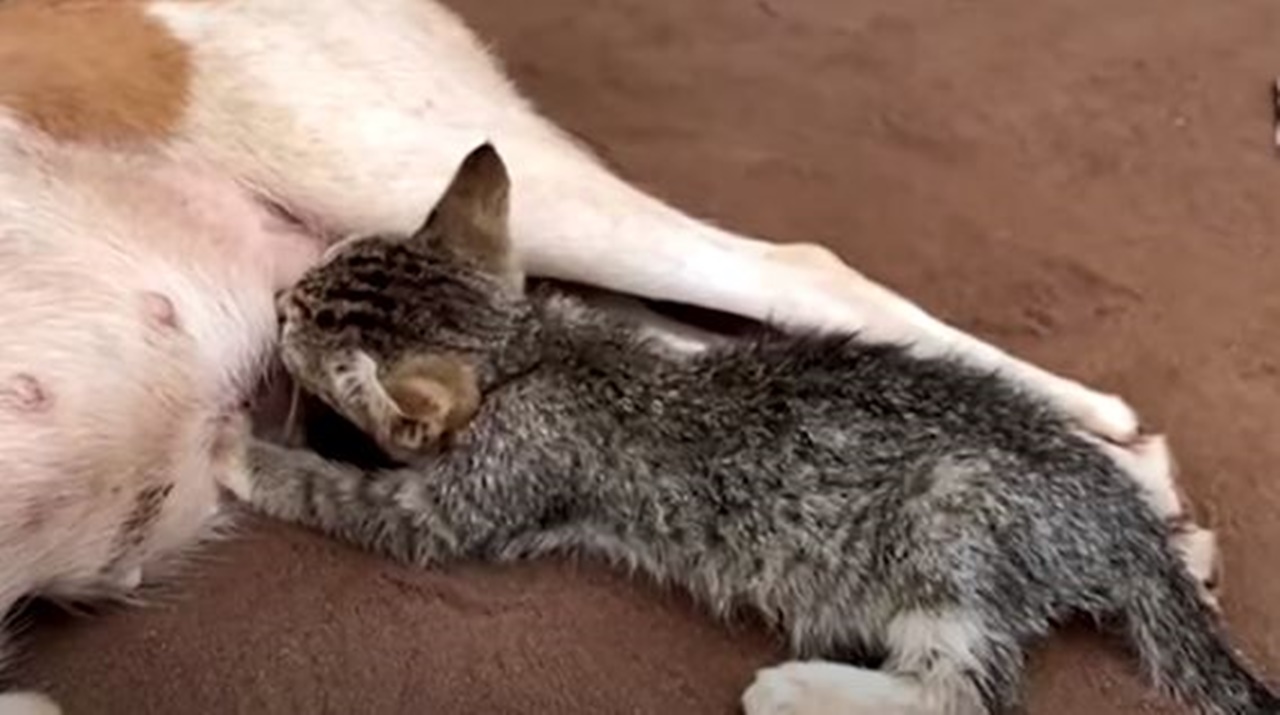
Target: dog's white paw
[(27, 704), (1199, 550), (1107, 416), (822, 688), (1150, 462)]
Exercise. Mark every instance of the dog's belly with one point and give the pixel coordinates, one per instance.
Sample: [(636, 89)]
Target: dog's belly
[(136, 308)]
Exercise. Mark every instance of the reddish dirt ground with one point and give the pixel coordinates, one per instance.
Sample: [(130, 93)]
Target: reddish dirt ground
[(1088, 184)]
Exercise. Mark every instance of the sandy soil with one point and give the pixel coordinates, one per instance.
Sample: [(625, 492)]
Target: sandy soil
[(1089, 184)]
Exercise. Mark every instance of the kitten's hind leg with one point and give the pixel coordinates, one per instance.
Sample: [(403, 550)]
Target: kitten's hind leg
[(938, 664), (822, 688)]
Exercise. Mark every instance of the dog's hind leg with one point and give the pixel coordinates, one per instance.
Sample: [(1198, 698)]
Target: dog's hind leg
[(585, 225)]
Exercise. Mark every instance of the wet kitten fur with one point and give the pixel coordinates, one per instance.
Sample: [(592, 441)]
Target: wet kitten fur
[(860, 499)]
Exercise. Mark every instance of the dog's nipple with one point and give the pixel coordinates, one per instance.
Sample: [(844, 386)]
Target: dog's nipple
[(159, 310), (24, 392)]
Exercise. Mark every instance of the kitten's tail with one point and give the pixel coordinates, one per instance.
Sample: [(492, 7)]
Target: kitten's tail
[(1181, 643)]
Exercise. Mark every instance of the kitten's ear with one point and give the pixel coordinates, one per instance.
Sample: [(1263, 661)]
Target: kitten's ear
[(471, 218)]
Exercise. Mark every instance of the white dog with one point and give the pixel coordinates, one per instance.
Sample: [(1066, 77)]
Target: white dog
[(167, 165)]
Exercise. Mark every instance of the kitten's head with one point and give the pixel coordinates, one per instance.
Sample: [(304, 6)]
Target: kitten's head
[(434, 316)]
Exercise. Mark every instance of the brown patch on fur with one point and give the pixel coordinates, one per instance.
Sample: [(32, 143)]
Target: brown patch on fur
[(98, 71), (440, 391), (24, 392)]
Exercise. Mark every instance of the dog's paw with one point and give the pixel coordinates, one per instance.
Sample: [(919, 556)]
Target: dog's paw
[(1149, 461), (27, 704), (1199, 550), (1106, 416)]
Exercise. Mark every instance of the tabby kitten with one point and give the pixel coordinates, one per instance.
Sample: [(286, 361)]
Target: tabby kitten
[(862, 500)]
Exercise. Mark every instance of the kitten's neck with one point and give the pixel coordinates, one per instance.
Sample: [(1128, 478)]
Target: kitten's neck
[(562, 333), (567, 328), (524, 352)]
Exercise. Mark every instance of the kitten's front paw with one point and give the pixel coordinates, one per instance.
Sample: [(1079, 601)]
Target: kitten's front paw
[(404, 434), (409, 409), (432, 397)]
